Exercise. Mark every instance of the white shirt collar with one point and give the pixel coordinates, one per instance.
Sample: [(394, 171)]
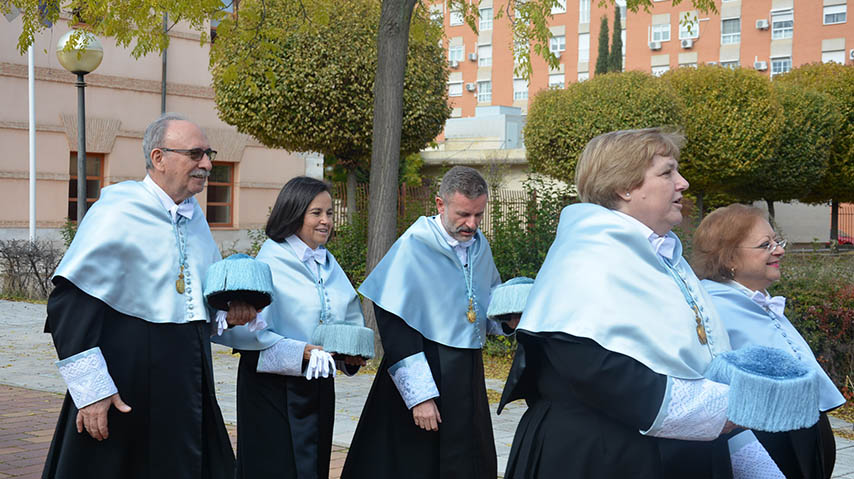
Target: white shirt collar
[(304, 253), (184, 209), (461, 249), (663, 245)]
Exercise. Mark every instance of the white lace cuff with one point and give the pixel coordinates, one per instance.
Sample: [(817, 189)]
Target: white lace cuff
[(750, 460), (284, 357), (413, 379), (87, 377), (692, 409)]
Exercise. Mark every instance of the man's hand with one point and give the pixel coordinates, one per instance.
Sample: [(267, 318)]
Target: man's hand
[(240, 312), (514, 321), (426, 415), (94, 416), (306, 354), (729, 427), (351, 360)]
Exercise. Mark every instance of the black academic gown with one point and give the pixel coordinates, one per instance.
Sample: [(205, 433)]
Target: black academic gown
[(586, 406), (808, 453), (284, 423), (388, 445), (163, 371)]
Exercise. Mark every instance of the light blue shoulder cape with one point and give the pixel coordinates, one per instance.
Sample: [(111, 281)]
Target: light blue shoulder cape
[(125, 253), (750, 324), (422, 281), (602, 280), (296, 308)]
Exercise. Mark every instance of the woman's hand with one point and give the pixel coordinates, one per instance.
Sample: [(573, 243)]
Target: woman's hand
[(351, 360), (306, 354)]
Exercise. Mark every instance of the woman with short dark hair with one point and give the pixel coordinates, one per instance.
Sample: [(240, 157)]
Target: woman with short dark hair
[(738, 256), (285, 390)]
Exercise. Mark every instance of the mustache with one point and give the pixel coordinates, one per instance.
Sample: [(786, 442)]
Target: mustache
[(465, 229), (200, 173)]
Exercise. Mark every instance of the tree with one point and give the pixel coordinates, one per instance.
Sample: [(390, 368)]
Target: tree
[(732, 125), (301, 82), (561, 122), (615, 60), (810, 122), (602, 56), (837, 83)]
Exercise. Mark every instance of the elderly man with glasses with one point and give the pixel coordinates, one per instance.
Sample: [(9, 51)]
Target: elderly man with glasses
[(132, 329)]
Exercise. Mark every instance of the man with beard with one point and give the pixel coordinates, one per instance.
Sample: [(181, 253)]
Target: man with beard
[(132, 329), (427, 415)]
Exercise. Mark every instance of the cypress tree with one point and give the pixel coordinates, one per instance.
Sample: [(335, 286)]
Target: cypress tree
[(615, 59), (602, 57)]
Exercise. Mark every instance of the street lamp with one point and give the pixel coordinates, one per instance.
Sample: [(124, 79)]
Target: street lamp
[(83, 57)]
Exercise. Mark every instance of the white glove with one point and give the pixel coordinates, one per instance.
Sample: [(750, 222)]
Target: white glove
[(221, 323), (256, 324), (320, 364)]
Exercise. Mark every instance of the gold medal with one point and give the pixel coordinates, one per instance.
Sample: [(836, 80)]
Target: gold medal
[(701, 331), (179, 284), (471, 315)]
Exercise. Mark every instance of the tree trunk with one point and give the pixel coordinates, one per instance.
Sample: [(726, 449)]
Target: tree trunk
[(700, 208), (771, 215), (834, 220), (352, 205), (392, 46)]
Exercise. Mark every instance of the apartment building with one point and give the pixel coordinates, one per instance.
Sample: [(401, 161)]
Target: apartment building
[(771, 36)]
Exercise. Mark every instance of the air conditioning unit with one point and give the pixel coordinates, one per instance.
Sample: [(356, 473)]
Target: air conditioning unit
[(760, 66), (851, 54), (655, 45), (471, 87), (473, 57), (687, 43), (762, 24), (453, 64)]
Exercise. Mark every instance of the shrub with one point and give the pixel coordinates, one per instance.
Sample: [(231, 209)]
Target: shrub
[(27, 268)]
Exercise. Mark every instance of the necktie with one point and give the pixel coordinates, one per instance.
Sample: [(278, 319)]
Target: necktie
[(776, 303), (663, 245)]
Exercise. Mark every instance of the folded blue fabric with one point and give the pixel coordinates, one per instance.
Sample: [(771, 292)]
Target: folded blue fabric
[(239, 277), (509, 298), (769, 389)]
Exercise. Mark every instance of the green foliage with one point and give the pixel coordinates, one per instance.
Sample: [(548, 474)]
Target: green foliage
[(134, 23), (500, 346), (410, 169), (288, 74), (602, 55), (837, 83), (561, 122), (732, 129), (521, 235), (67, 232), (809, 125), (349, 245), (615, 59)]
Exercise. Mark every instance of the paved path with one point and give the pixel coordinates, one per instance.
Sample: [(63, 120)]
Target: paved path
[(32, 396)]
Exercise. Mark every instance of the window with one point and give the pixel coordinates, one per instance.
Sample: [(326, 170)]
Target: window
[(621, 5), (455, 88), (837, 56), (455, 54), (730, 31), (583, 47), (484, 92), (584, 11), (660, 32), (94, 181), (731, 65), (520, 89), (556, 81), (456, 18), (484, 55), (437, 13), (835, 14), (782, 23), (485, 19), (583, 76), (687, 65), (689, 26), (560, 7), (220, 194), (658, 71), (780, 65), (557, 43)]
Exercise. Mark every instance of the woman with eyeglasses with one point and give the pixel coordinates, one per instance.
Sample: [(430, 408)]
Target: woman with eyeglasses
[(738, 255)]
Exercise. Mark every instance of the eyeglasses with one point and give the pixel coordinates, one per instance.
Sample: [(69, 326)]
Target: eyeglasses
[(770, 246), (195, 154)]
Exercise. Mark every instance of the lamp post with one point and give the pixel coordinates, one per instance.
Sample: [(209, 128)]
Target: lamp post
[(83, 57)]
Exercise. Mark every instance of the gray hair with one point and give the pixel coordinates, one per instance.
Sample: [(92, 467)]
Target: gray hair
[(464, 180), (154, 135)]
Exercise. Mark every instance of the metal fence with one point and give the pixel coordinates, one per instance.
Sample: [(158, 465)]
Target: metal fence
[(846, 222)]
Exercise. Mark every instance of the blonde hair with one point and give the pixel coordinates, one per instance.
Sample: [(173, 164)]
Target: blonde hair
[(716, 240), (616, 162)]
